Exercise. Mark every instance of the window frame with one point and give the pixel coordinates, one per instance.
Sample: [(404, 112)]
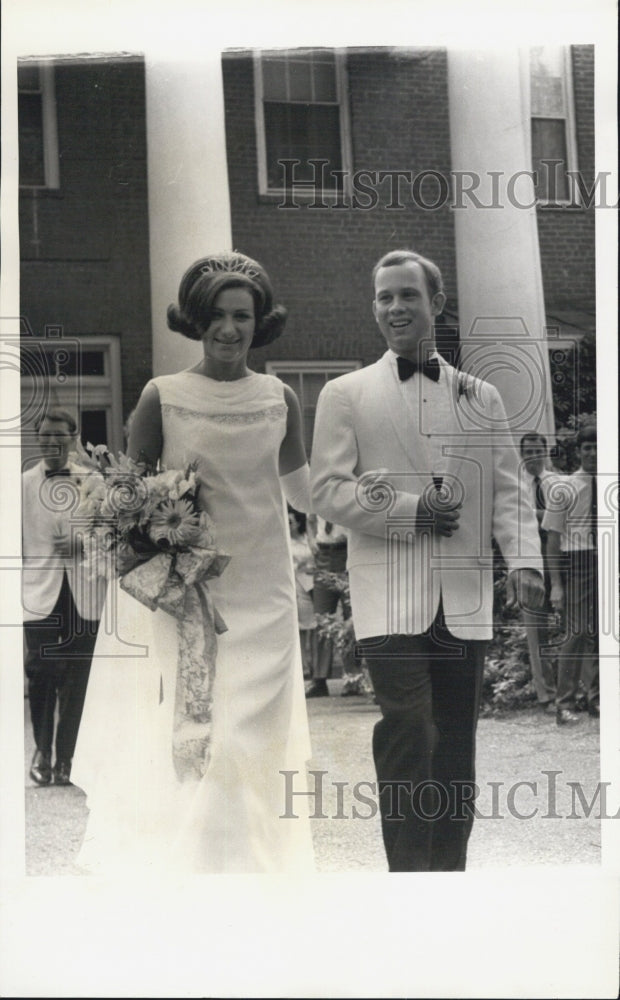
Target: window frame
[(342, 91), (51, 159), (314, 367), (86, 392), (570, 130)]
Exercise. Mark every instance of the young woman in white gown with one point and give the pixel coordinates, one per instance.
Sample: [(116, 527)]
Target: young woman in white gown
[(243, 430)]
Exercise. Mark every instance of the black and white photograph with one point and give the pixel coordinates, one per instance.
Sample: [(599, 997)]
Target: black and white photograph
[(309, 552)]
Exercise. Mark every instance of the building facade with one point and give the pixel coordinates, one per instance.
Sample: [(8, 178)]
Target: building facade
[(85, 277), (331, 158)]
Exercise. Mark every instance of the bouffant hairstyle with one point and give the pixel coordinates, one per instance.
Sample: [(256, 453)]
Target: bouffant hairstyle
[(206, 278)]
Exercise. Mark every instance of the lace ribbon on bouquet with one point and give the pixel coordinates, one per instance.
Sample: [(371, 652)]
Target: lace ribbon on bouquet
[(177, 584)]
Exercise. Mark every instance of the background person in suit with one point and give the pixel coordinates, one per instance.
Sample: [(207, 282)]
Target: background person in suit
[(61, 607), (420, 467)]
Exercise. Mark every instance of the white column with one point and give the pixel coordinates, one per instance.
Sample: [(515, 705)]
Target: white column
[(501, 305), (189, 205)]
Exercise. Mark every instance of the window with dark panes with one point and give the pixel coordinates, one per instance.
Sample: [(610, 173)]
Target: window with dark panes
[(30, 111), (36, 109), (553, 151), (306, 379), (82, 375), (301, 117)]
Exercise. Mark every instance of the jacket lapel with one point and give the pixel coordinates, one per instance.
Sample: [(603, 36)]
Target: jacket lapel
[(407, 434), (465, 420), (457, 447)]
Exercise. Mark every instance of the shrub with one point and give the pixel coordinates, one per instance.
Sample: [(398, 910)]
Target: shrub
[(573, 377), (340, 632), (507, 677), (507, 680)]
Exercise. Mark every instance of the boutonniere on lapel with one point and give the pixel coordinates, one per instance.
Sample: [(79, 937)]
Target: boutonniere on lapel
[(465, 386)]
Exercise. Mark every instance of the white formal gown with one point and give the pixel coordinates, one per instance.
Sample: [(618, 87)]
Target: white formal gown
[(141, 816)]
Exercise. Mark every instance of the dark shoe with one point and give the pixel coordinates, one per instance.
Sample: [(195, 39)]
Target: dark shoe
[(317, 689), (564, 717), (594, 710), (41, 768), (62, 772)]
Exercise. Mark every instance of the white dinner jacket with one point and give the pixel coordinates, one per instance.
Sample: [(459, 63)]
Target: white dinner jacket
[(46, 509), (367, 475)]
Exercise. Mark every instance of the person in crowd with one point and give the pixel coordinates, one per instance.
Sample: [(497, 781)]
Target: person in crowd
[(303, 564), (536, 481), (571, 524), (416, 461), (242, 432), (329, 546), (61, 606)]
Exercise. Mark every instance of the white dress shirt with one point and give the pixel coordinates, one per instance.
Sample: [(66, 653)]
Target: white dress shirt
[(429, 407), (528, 485), (571, 513)]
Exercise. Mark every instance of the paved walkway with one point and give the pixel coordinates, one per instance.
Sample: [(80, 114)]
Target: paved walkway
[(519, 747)]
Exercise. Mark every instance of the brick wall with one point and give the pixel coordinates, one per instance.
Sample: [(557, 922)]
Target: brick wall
[(320, 259), (566, 235), (84, 248)]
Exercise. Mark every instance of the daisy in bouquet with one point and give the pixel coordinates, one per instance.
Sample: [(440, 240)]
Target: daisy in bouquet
[(145, 527)]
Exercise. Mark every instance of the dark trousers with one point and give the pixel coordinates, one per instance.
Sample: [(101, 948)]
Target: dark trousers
[(578, 654), (428, 688), (59, 650), (329, 559)]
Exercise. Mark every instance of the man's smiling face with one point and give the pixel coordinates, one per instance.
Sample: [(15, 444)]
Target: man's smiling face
[(404, 310)]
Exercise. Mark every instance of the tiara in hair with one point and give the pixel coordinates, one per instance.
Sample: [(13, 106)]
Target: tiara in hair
[(232, 263)]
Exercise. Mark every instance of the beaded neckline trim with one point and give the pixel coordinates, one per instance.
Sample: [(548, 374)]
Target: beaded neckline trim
[(271, 413)]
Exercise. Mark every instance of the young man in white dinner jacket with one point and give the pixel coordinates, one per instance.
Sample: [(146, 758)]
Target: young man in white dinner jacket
[(421, 468), (61, 606)]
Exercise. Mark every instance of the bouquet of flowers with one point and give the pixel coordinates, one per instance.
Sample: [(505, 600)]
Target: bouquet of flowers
[(145, 527)]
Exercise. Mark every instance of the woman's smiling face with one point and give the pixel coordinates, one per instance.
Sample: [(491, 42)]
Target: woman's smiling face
[(228, 337)]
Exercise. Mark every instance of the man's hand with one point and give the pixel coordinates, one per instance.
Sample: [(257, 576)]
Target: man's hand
[(436, 515), (525, 588)]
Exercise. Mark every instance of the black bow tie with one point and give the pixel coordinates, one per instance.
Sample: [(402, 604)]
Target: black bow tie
[(57, 472), (407, 368)]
